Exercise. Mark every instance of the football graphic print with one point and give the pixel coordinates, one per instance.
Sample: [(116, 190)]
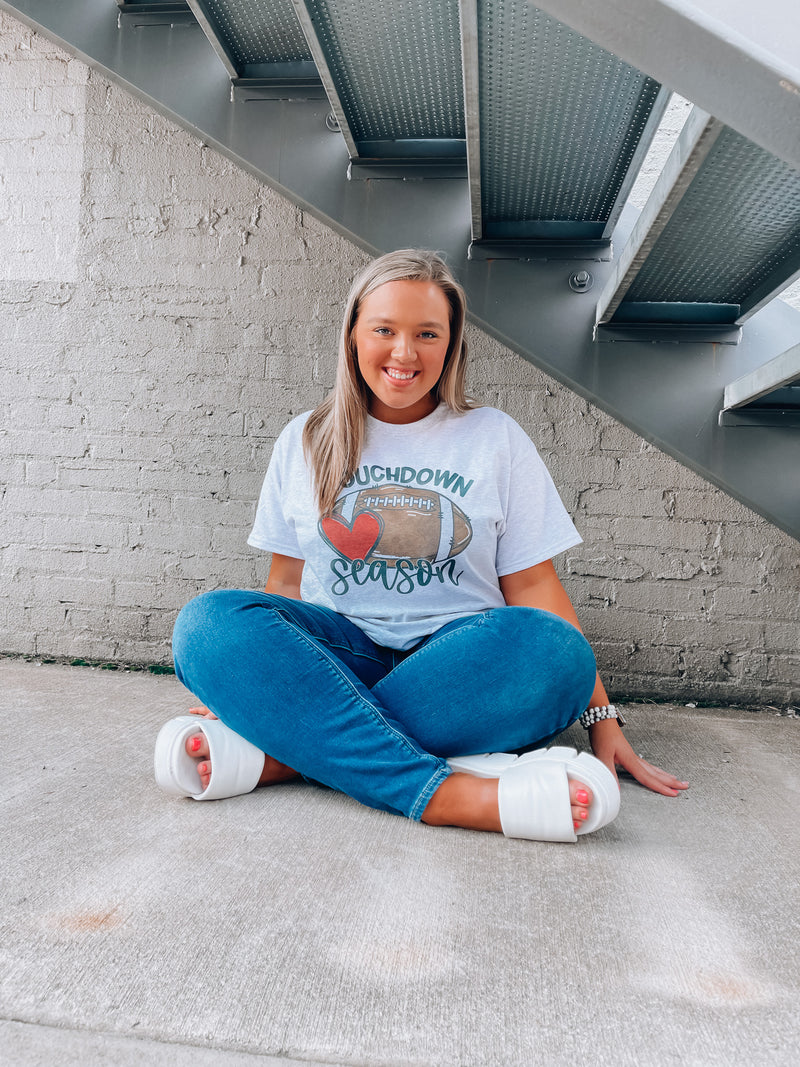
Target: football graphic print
[(396, 522)]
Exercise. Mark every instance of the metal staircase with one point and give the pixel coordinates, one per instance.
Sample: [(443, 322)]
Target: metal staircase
[(497, 133)]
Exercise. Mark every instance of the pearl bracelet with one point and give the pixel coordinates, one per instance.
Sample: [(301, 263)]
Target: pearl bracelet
[(593, 715)]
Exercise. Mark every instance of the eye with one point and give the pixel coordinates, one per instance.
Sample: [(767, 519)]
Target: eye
[(429, 335), (383, 331)]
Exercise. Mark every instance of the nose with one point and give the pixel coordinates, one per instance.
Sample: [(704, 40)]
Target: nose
[(403, 348)]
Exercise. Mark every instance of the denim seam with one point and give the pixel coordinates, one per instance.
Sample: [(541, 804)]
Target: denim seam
[(441, 769), (478, 620)]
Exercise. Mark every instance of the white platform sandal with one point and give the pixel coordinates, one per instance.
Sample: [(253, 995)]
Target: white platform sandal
[(534, 791), (236, 765)]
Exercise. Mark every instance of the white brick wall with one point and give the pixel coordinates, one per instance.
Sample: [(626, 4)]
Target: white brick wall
[(162, 316)]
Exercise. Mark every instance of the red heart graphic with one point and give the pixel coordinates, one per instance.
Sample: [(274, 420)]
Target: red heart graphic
[(357, 540)]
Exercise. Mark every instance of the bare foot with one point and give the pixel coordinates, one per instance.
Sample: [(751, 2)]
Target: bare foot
[(471, 803), (197, 748)]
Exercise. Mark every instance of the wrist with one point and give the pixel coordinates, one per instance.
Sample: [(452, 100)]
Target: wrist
[(603, 713)]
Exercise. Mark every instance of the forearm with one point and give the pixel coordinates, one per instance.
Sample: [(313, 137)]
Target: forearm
[(285, 575)]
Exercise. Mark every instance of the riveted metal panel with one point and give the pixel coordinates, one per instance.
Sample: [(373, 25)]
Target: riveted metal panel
[(561, 120), (258, 31), (396, 67), (736, 228)]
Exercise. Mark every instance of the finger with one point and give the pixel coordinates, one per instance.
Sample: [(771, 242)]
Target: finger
[(634, 761), (657, 786), (653, 782), (654, 778), (202, 711), (666, 777)]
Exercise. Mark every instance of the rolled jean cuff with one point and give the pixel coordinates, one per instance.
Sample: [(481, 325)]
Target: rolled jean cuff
[(424, 798)]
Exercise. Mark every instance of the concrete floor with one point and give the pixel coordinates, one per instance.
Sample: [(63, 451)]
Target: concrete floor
[(294, 925)]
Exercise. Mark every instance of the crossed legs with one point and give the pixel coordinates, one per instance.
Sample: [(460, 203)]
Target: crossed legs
[(307, 687)]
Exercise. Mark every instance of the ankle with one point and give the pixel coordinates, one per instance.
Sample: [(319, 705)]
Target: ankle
[(465, 801), (275, 772)]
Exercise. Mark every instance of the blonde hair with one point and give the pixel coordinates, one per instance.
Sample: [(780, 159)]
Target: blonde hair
[(333, 437)]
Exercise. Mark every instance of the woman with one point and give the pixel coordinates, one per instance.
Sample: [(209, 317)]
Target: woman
[(412, 612)]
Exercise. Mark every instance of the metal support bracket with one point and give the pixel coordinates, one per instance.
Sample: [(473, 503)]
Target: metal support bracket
[(755, 418), (597, 251), (153, 7), (244, 90), (663, 333)]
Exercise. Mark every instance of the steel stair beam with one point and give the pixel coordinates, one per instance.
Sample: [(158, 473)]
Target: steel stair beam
[(770, 393), (778, 372), (215, 39)]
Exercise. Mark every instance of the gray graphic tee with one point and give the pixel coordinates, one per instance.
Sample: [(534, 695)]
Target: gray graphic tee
[(435, 513)]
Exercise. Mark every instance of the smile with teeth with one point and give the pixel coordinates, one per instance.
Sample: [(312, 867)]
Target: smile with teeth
[(400, 375)]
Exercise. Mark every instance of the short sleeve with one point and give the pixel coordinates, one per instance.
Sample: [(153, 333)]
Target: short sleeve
[(274, 528), (537, 526)]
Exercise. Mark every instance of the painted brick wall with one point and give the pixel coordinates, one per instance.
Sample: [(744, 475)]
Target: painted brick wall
[(162, 316)]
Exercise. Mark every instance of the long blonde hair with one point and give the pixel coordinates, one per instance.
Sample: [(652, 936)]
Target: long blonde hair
[(333, 437)]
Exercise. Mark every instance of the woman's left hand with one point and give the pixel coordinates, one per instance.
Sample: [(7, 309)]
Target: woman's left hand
[(611, 746)]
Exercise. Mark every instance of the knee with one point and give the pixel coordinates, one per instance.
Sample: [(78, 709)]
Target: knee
[(203, 622), (560, 645)]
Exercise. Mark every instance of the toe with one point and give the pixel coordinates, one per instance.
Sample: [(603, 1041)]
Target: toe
[(197, 746), (581, 800), (204, 770)]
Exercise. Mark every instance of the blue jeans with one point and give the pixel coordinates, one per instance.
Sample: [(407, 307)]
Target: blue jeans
[(310, 689)]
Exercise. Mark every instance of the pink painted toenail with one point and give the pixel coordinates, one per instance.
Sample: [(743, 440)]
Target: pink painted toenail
[(194, 743), (582, 796), (583, 814)]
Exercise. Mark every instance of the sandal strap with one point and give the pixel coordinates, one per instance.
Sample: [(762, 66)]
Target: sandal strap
[(534, 801), (236, 765)]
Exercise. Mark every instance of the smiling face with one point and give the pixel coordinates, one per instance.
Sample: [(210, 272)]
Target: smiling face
[(401, 337)]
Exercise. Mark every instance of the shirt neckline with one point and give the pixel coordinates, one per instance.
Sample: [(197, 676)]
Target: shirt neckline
[(409, 429)]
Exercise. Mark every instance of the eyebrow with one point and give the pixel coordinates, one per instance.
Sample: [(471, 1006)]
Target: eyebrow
[(420, 325)]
